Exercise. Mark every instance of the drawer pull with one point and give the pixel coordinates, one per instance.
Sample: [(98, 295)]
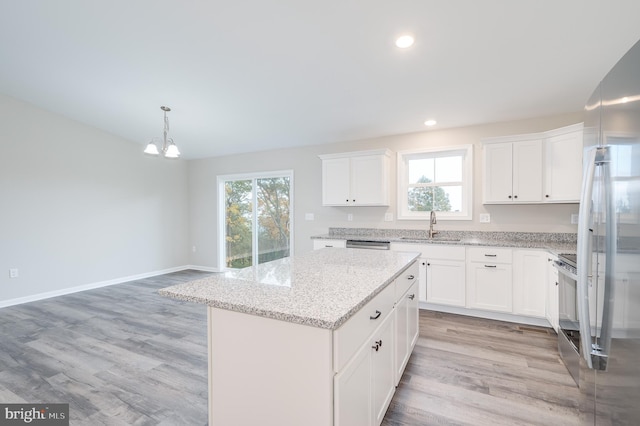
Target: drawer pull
[(379, 343), (377, 315), (491, 255), (410, 277), (376, 347), (411, 296), (490, 266)]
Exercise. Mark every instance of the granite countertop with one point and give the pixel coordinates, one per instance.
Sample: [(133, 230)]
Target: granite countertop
[(554, 242), (323, 288)]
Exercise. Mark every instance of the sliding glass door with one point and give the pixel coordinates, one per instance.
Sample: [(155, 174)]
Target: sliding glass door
[(256, 218)]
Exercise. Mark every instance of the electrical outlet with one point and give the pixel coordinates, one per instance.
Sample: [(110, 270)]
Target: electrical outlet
[(350, 217), (13, 273), (574, 218), (485, 218), (388, 217), (309, 216)]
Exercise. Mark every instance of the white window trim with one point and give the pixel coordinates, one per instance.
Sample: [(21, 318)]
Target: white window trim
[(467, 187), (221, 179)]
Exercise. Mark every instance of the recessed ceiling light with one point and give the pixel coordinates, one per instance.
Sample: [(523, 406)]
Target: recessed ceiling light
[(404, 41), (430, 123)]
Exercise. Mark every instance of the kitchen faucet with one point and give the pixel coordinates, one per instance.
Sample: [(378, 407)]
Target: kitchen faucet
[(432, 221)]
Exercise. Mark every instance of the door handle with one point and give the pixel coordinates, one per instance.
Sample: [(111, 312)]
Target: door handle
[(376, 316)]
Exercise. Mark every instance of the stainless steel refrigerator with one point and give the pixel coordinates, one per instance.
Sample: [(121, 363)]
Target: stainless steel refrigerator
[(608, 260)]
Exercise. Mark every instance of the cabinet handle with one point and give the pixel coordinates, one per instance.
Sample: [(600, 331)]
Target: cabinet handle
[(424, 263), (347, 201), (490, 266), (376, 347), (509, 196), (328, 245), (547, 196), (428, 264), (410, 277), (378, 313), (515, 196), (412, 296), (491, 255), (379, 342)]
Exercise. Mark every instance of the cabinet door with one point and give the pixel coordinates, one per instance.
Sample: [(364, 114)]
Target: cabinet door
[(563, 175), (489, 287), (336, 174), (446, 282), (498, 166), (352, 389), (382, 370), (406, 329), (370, 180), (527, 171), (551, 309), (529, 282)]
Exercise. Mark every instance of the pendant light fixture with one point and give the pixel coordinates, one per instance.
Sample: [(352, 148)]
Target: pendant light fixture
[(169, 148)]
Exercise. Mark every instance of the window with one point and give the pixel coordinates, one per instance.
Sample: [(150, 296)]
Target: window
[(254, 214), (438, 179)]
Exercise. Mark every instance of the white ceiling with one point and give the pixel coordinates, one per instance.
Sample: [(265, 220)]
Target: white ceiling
[(253, 75)]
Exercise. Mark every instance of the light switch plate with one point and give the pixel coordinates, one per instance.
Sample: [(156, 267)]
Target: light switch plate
[(309, 216), (13, 273), (388, 217), (574, 218), (485, 218)]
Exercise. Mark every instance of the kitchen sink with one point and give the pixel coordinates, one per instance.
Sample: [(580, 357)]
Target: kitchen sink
[(435, 240)]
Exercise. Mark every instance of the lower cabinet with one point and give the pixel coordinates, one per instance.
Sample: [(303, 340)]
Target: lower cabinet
[(489, 279), (446, 282), (529, 282), (406, 329), (365, 383), (364, 388), (552, 309)]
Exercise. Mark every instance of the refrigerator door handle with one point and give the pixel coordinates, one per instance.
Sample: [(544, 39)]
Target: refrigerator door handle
[(584, 253), (602, 346)]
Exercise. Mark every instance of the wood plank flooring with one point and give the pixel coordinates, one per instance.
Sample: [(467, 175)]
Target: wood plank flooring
[(122, 355)]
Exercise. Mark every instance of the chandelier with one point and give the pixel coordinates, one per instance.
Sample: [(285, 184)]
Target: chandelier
[(169, 148)]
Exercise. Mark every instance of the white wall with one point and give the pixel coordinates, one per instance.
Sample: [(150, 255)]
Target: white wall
[(79, 206), (307, 177)]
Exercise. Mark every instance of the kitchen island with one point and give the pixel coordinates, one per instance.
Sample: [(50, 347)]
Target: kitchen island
[(316, 339)]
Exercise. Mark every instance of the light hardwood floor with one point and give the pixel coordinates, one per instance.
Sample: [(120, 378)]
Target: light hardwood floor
[(122, 355)]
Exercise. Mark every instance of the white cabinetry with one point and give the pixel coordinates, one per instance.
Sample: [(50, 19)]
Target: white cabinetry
[(552, 309), (534, 168), (356, 178), (513, 172), (563, 172), (529, 282), (320, 244), (366, 352), (406, 326), (489, 279), (442, 272)]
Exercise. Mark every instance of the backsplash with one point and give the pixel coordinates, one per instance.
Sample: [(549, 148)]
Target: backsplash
[(548, 237)]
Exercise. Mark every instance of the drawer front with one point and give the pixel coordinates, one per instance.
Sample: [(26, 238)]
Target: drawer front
[(406, 280), (433, 251), (489, 254), (354, 333)]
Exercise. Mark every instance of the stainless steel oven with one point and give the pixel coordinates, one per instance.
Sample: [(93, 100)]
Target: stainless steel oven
[(569, 330)]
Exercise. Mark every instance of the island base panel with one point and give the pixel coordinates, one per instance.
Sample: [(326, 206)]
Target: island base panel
[(265, 370)]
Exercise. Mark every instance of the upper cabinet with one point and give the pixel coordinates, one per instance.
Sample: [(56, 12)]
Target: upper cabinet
[(563, 153), (356, 178), (534, 168), (513, 172)]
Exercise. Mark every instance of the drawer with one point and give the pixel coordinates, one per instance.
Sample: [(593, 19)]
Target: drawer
[(432, 251), (489, 254), (406, 280), (356, 331)]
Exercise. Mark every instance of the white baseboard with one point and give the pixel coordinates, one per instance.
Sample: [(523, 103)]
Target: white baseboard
[(521, 319), (91, 286)]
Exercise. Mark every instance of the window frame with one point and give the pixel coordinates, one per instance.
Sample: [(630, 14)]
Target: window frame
[(221, 180), (466, 151)]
